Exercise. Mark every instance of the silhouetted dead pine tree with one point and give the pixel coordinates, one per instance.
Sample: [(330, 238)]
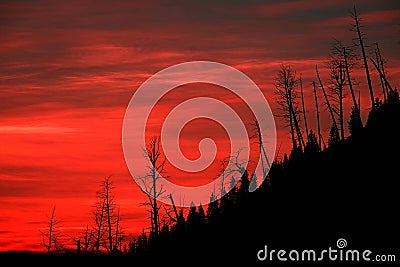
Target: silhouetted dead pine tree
[(303, 106), (360, 43), (51, 236), (152, 187), (317, 114), (331, 112), (287, 100), (337, 82)]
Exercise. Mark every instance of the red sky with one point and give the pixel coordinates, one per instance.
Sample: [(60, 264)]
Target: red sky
[(69, 68)]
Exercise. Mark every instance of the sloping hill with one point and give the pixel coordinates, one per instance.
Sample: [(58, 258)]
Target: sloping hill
[(348, 191)]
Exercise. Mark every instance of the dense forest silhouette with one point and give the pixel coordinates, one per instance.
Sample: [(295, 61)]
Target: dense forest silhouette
[(345, 187)]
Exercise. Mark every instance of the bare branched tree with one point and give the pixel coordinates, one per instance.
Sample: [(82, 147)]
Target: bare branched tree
[(337, 82), (349, 59), (232, 166), (287, 100), (303, 106), (330, 109), (119, 235), (87, 237), (106, 233), (109, 207), (360, 42), (51, 236), (151, 183), (98, 227)]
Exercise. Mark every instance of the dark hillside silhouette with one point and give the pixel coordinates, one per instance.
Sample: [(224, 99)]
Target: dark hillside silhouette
[(346, 191)]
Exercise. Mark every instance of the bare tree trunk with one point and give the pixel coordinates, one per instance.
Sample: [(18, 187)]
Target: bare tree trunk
[(51, 228), (118, 235), (153, 153), (294, 123), (326, 99), (289, 103), (105, 218), (379, 62), (382, 75), (87, 239), (108, 212), (290, 107), (353, 97), (317, 111), (50, 236), (382, 67), (298, 130), (380, 78), (361, 42), (152, 187), (285, 89), (99, 218), (341, 72), (174, 207), (303, 106), (155, 216), (154, 205), (263, 153), (51, 225), (323, 141), (294, 143)]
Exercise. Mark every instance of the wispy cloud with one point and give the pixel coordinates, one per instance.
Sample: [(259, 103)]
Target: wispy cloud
[(35, 130)]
